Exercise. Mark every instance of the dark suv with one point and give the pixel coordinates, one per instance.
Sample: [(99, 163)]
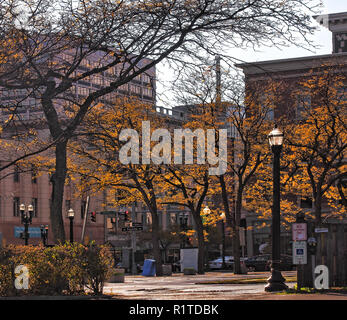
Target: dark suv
[(262, 263)]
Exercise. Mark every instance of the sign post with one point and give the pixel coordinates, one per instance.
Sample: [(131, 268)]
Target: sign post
[(133, 241), (299, 237)]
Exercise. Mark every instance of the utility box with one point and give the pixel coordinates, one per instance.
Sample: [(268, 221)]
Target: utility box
[(167, 269), (189, 259), (126, 258)]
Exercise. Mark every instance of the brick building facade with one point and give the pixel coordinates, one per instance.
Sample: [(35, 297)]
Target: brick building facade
[(288, 74)]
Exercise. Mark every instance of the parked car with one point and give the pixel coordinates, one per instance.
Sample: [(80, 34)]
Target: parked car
[(218, 263), (262, 262)]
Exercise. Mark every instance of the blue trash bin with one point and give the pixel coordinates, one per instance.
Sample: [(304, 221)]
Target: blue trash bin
[(148, 268)]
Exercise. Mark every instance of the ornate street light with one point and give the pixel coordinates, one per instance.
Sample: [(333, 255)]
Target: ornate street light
[(26, 219), (71, 215), (276, 280)]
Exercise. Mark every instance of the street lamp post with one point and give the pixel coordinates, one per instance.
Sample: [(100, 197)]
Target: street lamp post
[(44, 233), (71, 215), (26, 219), (276, 280), (183, 217), (206, 210), (223, 239)]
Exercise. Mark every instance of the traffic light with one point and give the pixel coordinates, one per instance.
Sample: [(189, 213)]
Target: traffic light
[(93, 216), (126, 215)]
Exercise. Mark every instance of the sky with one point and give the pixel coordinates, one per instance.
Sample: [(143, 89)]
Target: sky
[(322, 37)]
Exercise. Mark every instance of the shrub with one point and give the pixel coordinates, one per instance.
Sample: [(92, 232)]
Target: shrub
[(62, 269), (99, 267)]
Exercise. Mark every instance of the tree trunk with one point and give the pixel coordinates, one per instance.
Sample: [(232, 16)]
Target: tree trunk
[(201, 246), (225, 199), (236, 233), (58, 182), (155, 243)]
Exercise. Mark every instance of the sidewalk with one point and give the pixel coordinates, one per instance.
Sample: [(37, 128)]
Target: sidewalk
[(210, 286)]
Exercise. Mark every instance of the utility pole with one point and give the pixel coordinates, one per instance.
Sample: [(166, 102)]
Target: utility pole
[(218, 83)]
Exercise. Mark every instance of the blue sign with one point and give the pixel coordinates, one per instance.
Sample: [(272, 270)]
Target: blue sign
[(300, 252), (34, 232)]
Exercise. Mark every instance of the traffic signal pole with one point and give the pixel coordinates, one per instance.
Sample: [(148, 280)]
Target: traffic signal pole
[(133, 241), (85, 220)]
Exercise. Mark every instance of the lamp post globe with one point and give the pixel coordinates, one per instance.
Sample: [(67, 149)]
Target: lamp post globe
[(207, 210), (276, 280), (71, 215), (31, 211), (276, 137)]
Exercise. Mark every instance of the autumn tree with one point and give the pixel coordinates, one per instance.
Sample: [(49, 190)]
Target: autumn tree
[(319, 141), (313, 159), (49, 47), (220, 102), (97, 155)]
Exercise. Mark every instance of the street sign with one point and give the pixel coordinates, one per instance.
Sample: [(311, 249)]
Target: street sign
[(108, 212), (136, 228), (299, 252), (299, 231), (137, 224), (321, 230)]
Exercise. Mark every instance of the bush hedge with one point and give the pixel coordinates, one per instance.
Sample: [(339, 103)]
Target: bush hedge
[(66, 269)]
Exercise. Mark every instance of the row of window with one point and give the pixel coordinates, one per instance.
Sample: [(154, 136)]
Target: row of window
[(112, 71), (17, 171), (302, 104)]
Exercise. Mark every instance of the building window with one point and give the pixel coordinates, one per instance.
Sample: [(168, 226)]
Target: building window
[(33, 174), (67, 205), (35, 205), (172, 219), (16, 174), (303, 103), (16, 204), (270, 115), (306, 203), (266, 108), (183, 219), (149, 219)]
